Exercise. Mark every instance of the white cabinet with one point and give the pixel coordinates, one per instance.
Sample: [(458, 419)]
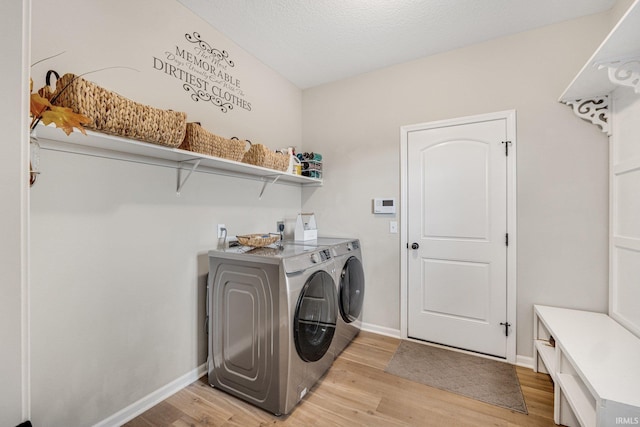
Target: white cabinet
[(595, 363), (595, 366), (606, 92)]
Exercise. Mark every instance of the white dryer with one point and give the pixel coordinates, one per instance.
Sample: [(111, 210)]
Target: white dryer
[(272, 317)]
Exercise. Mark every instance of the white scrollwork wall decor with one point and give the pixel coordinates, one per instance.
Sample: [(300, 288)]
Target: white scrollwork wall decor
[(624, 72), (594, 110)]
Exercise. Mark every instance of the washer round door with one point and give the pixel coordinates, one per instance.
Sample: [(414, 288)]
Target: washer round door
[(315, 317), (351, 290)]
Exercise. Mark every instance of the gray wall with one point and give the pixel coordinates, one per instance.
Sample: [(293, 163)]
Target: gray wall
[(561, 165)]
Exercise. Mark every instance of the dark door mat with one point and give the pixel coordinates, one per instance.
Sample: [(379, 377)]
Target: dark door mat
[(482, 379)]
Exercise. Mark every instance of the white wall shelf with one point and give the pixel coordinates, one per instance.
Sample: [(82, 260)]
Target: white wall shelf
[(114, 147), (622, 46), (615, 63), (594, 366)]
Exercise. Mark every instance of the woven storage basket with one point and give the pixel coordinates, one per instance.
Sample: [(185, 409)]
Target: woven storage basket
[(257, 240), (260, 155), (116, 115), (232, 149), (202, 141)]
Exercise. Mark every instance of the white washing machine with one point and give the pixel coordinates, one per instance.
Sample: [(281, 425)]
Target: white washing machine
[(272, 315)]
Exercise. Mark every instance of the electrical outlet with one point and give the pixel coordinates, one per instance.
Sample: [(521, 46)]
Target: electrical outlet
[(221, 231)]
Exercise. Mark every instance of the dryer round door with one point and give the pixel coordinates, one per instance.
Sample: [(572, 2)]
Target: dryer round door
[(315, 316), (351, 290)]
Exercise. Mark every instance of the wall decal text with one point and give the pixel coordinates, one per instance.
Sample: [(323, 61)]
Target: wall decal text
[(205, 72)]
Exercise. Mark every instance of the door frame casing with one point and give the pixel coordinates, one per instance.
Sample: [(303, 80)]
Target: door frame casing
[(510, 117)]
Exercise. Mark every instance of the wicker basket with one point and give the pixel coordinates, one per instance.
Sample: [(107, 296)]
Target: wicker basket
[(260, 155), (281, 161), (116, 115), (202, 141), (257, 240)]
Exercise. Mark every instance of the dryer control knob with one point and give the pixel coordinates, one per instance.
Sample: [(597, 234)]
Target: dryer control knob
[(315, 258)]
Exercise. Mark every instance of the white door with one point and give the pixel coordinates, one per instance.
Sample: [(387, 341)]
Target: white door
[(457, 235)]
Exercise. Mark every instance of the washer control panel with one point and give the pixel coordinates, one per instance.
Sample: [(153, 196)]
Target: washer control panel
[(300, 263), (321, 256)]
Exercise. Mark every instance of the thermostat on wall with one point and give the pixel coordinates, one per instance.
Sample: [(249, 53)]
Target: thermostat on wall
[(384, 206)]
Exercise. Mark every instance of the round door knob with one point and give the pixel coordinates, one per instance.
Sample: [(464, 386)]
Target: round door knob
[(415, 246)]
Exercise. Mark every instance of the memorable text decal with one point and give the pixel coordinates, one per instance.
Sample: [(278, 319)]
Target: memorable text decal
[(205, 72)]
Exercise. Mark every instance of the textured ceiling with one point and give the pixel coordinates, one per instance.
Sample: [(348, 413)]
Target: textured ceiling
[(311, 42)]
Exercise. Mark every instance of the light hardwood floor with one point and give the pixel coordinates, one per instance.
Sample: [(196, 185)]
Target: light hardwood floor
[(357, 392)]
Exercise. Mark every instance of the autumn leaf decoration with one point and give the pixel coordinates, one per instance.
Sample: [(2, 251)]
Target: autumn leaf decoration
[(62, 117)]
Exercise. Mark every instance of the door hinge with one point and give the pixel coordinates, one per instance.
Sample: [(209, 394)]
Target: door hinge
[(506, 147), (506, 327), (506, 239)]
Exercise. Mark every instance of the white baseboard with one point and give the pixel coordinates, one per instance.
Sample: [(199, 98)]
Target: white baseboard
[(524, 361), (382, 330), (153, 398)]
